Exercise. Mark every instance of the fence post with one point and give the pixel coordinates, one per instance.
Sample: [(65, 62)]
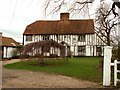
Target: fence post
[(115, 72), (0, 61), (107, 66)]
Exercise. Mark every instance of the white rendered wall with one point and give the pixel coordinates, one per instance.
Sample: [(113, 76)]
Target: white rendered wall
[(8, 53), (88, 51), (72, 41)]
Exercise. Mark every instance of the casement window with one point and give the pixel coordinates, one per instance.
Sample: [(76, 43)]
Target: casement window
[(66, 37), (98, 49), (37, 38), (74, 40), (46, 37), (81, 50), (81, 38), (29, 38)]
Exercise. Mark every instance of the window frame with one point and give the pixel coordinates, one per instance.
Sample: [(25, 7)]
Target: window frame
[(81, 50), (46, 37), (81, 38), (28, 37)]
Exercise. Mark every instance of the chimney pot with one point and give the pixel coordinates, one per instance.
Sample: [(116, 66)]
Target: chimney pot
[(64, 16)]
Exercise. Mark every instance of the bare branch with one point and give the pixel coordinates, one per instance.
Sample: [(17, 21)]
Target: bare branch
[(84, 2), (105, 23), (72, 6)]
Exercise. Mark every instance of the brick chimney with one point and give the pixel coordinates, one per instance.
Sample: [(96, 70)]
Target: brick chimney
[(64, 16)]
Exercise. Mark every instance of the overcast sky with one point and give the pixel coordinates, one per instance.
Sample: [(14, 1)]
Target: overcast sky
[(15, 15)]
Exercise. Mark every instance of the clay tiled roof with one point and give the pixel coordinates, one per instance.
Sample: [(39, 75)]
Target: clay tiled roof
[(42, 27), (6, 41), (60, 27)]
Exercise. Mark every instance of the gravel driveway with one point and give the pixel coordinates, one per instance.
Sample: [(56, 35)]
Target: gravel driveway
[(29, 79)]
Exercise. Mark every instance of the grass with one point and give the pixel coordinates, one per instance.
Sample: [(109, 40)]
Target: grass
[(86, 68)]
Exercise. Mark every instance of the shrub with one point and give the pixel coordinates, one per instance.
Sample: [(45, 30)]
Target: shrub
[(115, 53), (23, 56), (14, 53)]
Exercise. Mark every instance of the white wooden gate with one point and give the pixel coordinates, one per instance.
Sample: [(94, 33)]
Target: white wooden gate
[(107, 67), (116, 71)]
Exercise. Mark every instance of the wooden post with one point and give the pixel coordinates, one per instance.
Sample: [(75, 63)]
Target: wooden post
[(0, 74), (6, 52), (1, 61), (107, 66), (1, 50), (115, 72)]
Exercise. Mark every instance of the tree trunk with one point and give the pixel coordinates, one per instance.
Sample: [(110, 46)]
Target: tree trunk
[(119, 51), (108, 39), (41, 59)]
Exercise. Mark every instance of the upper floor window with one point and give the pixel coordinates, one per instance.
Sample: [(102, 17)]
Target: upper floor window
[(46, 37), (37, 38), (81, 38), (74, 40), (29, 38)]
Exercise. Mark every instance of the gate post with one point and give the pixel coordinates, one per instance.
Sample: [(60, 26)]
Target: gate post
[(107, 65), (115, 72)]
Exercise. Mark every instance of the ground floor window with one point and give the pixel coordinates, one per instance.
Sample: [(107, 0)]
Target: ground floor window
[(98, 51), (81, 50)]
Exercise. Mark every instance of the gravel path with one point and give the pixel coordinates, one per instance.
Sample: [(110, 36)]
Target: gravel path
[(29, 79)]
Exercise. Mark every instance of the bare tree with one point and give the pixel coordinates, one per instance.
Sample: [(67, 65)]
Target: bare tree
[(105, 23), (75, 6), (106, 17), (38, 49), (72, 6)]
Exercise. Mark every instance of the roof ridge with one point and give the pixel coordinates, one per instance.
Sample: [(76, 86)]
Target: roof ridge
[(61, 20), (46, 20)]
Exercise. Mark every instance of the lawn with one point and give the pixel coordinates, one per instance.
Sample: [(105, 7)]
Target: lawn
[(86, 68)]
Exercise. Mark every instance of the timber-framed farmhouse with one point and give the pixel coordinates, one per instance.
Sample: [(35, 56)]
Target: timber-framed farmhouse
[(76, 35)]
